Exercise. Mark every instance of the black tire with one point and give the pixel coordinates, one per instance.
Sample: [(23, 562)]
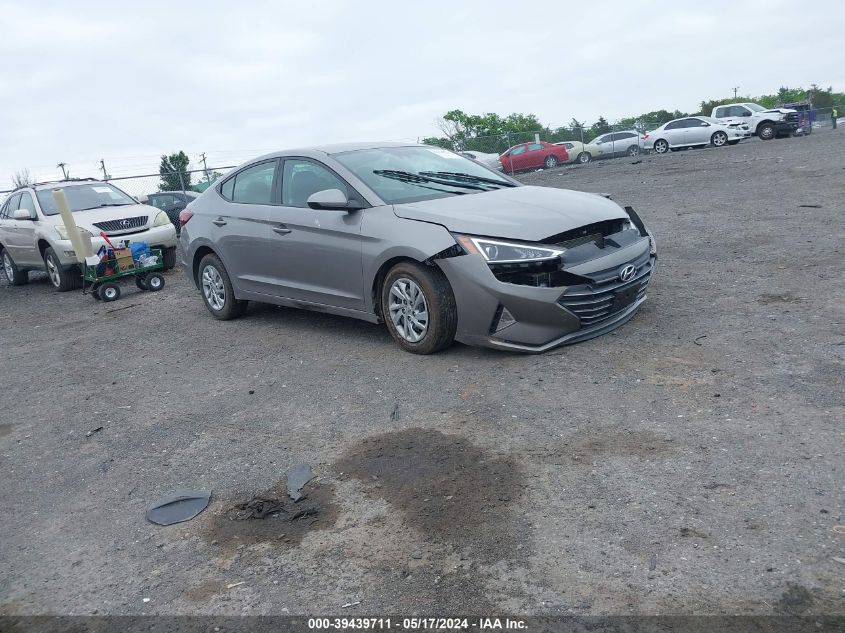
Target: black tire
[(719, 139), (62, 279), (168, 258), (15, 275), (661, 146), (141, 282), (440, 306), (585, 157), (550, 162), (766, 131), (154, 282), (109, 292), (634, 150), (231, 307)]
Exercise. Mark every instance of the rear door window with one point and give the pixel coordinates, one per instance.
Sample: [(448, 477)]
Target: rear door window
[(253, 185)]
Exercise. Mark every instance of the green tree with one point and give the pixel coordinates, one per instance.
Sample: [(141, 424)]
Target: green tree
[(171, 168)]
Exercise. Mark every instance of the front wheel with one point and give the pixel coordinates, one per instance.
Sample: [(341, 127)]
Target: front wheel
[(15, 276), (661, 146), (419, 308), (217, 291), (169, 258), (109, 292), (584, 157), (766, 131), (62, 279), (154, 282), (719, 139), (550, 162)]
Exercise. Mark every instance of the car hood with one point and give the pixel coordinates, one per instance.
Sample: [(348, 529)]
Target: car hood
[(87, 218), (779, 110), (520, 213)]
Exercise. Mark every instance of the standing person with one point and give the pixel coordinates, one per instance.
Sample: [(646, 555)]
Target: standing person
[(833, 115)]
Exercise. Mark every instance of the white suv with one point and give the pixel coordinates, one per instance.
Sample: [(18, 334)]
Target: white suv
[(764, 123), (33, 235)]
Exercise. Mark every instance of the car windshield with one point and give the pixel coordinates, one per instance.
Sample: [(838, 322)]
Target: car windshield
[(81, 197), (754, 107), (411, 174)]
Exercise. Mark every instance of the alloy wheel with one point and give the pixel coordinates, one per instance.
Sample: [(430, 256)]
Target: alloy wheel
[(661, 146), (213, 288), (7, 266), (719, 139), (53, 272), (408, 310)]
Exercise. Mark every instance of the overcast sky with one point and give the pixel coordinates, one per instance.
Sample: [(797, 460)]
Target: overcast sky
[(85, 80)]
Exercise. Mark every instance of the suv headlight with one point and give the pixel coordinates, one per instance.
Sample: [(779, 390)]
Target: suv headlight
[(161, 219), (61, 229), (498, 252)]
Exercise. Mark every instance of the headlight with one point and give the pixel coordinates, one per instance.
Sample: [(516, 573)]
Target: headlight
[(496, 252), (62, 231), (161, 219)]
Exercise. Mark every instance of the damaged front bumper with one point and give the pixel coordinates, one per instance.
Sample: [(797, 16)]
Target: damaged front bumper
[(604, 289)]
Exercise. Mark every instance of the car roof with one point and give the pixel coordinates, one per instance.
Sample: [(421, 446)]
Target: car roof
[(340, 148)]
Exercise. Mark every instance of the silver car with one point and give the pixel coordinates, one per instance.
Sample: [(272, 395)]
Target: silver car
[(33, 234), (694, 131), (434, 245)]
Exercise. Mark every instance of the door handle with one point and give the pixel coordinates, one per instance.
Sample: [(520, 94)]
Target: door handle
[(281, 230), (219, 221)]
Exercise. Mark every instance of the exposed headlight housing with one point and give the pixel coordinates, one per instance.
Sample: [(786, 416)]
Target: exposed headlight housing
[(61, 229), (499, 252), (161, 219)]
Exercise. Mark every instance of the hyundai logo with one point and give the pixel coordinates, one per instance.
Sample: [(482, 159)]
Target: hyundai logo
[(626, 272)]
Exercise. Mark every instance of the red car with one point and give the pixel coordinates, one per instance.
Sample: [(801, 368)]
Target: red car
[(533, 155)]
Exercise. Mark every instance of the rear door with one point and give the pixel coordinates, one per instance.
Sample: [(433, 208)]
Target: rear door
[(242, 226), (10, 237), (317, 255), (623, 141), (535, 155)]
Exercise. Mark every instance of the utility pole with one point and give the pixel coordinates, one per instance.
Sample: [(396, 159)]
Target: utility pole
[(103, 167), (64, 171), (205, 168), (735, 89)]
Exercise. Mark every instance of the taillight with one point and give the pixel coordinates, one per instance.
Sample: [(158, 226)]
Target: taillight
[(184, 216), (645, 136)]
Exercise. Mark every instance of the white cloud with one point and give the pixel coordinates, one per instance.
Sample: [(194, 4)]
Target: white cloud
[(127, 83)]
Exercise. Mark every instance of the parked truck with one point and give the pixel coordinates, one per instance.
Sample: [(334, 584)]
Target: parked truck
[(764, 123)]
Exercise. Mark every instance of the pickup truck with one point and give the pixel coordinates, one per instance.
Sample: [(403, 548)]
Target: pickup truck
[(765, 123)]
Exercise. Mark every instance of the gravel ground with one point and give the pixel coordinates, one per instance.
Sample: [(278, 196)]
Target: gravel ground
[(690, 462)]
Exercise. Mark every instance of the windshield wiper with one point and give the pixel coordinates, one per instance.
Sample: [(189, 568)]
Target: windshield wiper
[(419, 179), (108, 204), (464, 177)]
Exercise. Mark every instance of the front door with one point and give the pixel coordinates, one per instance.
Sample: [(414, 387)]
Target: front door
[(317, 255)]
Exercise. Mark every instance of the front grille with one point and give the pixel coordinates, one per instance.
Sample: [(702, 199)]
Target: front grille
[(123, 225), (600, 300), (792, 117)]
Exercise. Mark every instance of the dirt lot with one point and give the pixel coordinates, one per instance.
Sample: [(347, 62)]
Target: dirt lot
[(691, 462)]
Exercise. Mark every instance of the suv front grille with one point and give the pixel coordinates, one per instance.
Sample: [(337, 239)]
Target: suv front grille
[(607, 296), (124, 225), (792, 117)]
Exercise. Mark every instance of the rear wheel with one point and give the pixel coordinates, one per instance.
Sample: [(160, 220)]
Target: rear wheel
[(719, 139), (419, 308), (661, 146), (584, 158), (15, 276), (62, 279), (551, 161), (634, 150), (217, 291)]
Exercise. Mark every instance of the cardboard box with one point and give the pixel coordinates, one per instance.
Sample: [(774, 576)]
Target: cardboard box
[(124, 259)]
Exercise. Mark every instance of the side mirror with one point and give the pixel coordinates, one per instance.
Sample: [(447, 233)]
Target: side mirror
[(23, 214), (332, 200)]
